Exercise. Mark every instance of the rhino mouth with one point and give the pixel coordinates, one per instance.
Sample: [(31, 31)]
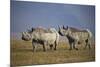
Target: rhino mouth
[(25, 39)]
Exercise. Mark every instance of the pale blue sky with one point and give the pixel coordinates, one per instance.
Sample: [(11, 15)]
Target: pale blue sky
[(25, 15)]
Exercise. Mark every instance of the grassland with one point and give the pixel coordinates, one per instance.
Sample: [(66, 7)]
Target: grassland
[(22, 54)]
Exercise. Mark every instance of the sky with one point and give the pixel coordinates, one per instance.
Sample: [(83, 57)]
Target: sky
[(25, 15)]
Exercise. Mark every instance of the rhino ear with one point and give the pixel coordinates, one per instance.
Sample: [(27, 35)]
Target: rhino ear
[(60, 27)]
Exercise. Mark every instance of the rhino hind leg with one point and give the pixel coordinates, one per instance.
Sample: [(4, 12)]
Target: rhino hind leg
[(74, 47), (70, 44), (33, 48), (87, 44), (44, 49), (55, 45)]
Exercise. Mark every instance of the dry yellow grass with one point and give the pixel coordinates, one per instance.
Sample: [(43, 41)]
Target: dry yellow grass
[(22, 54)]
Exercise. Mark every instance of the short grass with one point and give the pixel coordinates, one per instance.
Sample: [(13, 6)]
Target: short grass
[(22, 54)]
